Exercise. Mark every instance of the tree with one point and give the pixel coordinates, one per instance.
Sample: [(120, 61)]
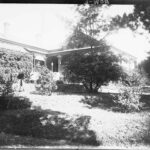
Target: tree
[(139, 17), (142, 13), (87, 31), (93, 69)]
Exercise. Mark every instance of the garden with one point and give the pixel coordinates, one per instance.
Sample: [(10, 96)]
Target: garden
[(75, 111), (72, 114)]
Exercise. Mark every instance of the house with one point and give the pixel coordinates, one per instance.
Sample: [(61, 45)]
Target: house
[(55, 56)]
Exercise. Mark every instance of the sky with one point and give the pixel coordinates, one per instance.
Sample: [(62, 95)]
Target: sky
[(44, 25)]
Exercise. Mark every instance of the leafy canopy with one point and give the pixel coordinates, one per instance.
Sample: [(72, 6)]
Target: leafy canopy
[(139, 17), (99, 65), (92, 68), (87, 31)]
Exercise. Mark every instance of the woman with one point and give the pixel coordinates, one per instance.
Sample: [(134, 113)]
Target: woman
[(21, 77)]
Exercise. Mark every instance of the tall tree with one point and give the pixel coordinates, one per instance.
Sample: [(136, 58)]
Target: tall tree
[(87, 31), (99, 65), (140, 16), (142, 13)]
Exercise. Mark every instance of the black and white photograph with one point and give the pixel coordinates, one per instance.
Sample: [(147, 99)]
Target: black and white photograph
[(75, 76)]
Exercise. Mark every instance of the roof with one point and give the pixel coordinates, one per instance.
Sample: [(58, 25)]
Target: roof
[(52, 52), (28, 47), (122, 52)]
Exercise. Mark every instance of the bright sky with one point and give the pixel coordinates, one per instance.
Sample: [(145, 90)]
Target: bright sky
[(46, 23)]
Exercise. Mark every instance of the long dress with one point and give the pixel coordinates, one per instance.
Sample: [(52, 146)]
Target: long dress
[(20, 77)]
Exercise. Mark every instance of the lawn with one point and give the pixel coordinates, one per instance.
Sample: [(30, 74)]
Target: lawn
[(110, 128)]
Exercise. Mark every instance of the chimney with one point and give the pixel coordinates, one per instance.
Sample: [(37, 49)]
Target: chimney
[(6, 29)]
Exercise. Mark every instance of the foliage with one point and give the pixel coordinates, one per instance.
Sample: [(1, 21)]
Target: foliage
[(47, 125), (80, 133), (11, 63), (139, 17), (12, 102), (21, 122), (125, 21), (88, 29), (7, 88), (130, 93), (142, 13), (45, 83), (93, 69)]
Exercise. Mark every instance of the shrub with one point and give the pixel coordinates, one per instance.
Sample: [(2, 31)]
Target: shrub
[(46, 83), (7, 88), (13, 103), (11, 62), (44, 124), (129, 96), (129, 99), (22, 122), (80, 133)]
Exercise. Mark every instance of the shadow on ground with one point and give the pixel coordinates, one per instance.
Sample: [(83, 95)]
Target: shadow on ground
[(36, 123), (100, 100), (105, 101)]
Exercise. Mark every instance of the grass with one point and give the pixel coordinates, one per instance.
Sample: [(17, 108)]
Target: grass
[(111, 128), (11, 140)]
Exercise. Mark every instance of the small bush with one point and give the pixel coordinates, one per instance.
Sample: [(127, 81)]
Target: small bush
[(6, 88), (129, 100), (22, 122), (45, 84), (12, 103), (80, 133), (44, 124), (129, 96)]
